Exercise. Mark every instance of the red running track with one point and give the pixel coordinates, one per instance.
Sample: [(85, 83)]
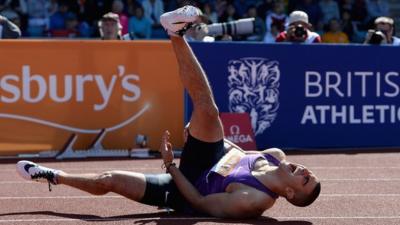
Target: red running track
[(356, 189)]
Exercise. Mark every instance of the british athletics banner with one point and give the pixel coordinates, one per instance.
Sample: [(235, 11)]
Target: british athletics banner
[(308, 96)]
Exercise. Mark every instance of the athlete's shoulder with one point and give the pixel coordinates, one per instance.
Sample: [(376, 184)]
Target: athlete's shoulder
[(275, 152)]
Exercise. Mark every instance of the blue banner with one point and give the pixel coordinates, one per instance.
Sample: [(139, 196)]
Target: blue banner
[(308, 96)]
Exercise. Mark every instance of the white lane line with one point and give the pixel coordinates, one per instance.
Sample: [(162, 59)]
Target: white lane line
[(103, 219), (327, 179), (17, 182), (156, 168), (337, 217), (5, 171), (360, 179), (354, 167), (121, 197), (360, 195), (196, 218), (63, 197)]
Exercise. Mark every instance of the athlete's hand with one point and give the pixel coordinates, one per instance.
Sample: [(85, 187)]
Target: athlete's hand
[(166, 149)]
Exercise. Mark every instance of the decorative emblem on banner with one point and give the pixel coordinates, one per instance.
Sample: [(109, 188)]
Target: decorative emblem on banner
[(253, 88)]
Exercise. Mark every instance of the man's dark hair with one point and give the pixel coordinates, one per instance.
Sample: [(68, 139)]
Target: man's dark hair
[(306, 200)]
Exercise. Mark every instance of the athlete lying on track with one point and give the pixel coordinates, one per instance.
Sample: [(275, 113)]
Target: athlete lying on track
[(213, 179)]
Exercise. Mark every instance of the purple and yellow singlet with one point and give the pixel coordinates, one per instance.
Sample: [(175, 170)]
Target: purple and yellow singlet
[(234, 167)]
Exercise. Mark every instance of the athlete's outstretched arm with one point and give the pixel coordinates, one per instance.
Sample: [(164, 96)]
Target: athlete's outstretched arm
[(204, 123)]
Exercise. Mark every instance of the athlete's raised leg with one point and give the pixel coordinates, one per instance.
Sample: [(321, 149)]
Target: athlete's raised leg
[(204, 123)]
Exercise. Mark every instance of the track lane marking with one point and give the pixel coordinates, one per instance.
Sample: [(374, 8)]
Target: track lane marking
[(196, 218), (121, 197), (157, 168), (326, 179)]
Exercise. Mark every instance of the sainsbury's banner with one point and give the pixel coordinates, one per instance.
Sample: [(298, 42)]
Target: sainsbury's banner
[(308, 96), (51, 89)]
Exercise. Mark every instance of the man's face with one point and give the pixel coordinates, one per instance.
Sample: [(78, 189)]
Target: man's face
[(298, 177), (386, 28), (109, 29)]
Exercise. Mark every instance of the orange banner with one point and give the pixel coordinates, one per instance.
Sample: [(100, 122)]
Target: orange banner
[(51, 89)]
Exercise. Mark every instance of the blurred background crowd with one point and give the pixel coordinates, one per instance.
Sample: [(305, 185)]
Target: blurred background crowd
[(336, 21)]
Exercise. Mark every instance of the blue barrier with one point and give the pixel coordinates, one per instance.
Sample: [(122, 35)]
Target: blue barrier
[(308, 96)]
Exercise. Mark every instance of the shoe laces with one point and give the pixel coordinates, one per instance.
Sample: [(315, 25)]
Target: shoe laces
[(182, 31), (48, 175)]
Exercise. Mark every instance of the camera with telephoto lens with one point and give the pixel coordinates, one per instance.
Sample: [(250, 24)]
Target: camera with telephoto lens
[(377, 37), (300, 31), (233, 28)]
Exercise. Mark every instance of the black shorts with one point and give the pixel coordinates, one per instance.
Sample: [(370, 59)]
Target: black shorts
[(197, 157)]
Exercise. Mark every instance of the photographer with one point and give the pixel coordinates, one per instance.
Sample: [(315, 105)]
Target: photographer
[(298, 30), (383, 33), (227, 31)]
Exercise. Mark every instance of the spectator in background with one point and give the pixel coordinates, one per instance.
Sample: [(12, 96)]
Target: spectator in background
[(118, 8), (57, 20), (3, 5), (90, 11), (383, 26), (377, 8), (359, 11), (277, 16), (299, 30), (110, 27), (347, 24), (229, 15), (170, 5), (359, 18), (292, 5), (264, 7), (72, 26), (131, 6), (259, 25), (242, 6), (335, 33), (220, 7), (12, 15), (346, 5), (139, 26), (209, 14), (313, 11), (153, 10), (330, 10), (8, 30), (199, 32), (270, 36), (38, 13), (9, 7)]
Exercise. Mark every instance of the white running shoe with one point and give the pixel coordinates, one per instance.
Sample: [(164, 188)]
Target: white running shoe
[(32, 171), (177, 22)]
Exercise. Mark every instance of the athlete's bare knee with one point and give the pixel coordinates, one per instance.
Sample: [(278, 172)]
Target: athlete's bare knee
[(105, 181)]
